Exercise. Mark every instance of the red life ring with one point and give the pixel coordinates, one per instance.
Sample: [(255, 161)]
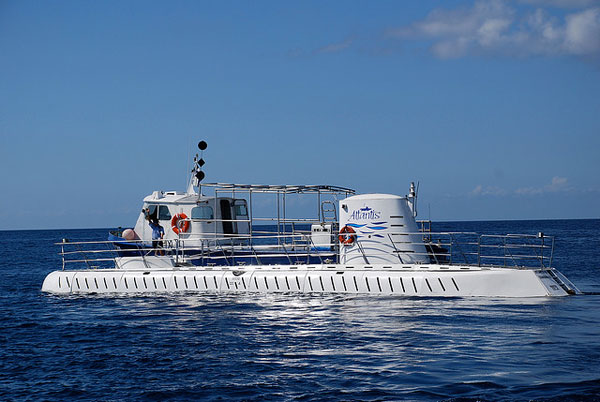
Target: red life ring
[(347, 236), (179, 223)]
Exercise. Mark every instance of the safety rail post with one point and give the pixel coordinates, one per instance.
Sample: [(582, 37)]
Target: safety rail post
[(255, 254), (293, 235), (310, 243), (218, 245), (395, 249), (362, 252), (460, 250), (285, 251), (551, 253), (114, 253), (510, 254), (479, 250), (62, 253), (85, 258), (542, 250), (451, 246), (278, 221)]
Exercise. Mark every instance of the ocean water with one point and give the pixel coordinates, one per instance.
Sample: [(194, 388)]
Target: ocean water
[(299, 347)]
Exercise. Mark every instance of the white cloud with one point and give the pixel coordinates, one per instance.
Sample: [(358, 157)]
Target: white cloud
[(495, 27), (562, 3), (487, 190), (583, 32), (557, 184), (335, 47)]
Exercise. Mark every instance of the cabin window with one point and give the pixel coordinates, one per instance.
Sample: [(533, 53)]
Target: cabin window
[(163, 213), (159, 211), (202, 212), (240, 209), (153, 212)]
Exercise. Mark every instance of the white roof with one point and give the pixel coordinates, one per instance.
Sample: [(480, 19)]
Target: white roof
[(178, 198), (375, 196), (287, 188)]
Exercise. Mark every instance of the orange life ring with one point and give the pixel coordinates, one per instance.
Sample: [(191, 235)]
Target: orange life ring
[(179, 226), (347, 236)]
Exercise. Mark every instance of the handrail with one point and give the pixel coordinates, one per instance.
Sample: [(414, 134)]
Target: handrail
[(447, 248)]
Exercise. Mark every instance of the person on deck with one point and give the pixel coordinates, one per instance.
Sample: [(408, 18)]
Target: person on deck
[(157, 235)]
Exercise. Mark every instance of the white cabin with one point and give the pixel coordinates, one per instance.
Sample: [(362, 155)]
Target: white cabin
[(208, 217)]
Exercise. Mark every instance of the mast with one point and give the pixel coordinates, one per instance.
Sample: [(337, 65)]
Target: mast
[(197, 175)]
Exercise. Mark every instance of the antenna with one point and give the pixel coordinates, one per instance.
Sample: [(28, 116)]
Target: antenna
[(416, 197), (412, 195)]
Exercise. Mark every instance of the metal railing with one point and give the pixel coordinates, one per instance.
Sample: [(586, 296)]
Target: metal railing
[(469, 248), (297, 247)]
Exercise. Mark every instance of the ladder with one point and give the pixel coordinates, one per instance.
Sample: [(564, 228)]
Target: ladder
[(328, 212), (560, 282)]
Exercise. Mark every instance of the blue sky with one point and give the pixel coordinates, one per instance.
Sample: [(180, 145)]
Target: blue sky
[(493, 106)]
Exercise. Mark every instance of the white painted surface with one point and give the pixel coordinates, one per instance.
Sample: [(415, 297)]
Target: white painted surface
[(396, 280), (385, 228)]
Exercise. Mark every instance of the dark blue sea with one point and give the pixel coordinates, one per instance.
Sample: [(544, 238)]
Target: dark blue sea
[(187, 347)]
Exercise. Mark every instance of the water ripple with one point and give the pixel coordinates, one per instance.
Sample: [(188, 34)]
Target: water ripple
[(184, 347)]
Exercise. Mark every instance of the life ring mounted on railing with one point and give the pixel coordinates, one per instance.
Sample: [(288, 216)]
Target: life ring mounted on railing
[(347, 235), (180, 223)]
